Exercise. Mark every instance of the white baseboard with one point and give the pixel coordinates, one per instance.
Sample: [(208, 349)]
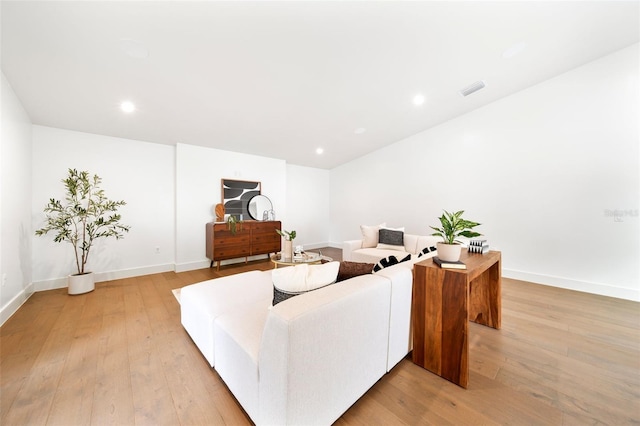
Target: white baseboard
[(190, 266), (569, 284), (202, 264), (315, 246), (14, 304), (50, 284), (105, 276), (134, 272)]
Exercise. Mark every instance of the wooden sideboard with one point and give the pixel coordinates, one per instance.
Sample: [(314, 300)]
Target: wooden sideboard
[(251, 238)]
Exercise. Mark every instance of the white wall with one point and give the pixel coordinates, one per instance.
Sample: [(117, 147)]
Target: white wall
[(540, 169), (199, 174), (142, 174), (15, 202), (308, 201)]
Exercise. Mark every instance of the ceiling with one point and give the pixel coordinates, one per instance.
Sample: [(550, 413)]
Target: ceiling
[(280, 79)]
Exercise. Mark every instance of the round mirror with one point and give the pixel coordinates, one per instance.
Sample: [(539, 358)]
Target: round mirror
[(258, 205)]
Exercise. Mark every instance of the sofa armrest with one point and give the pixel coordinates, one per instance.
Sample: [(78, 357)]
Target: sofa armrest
[(348, 247), (323, 350)]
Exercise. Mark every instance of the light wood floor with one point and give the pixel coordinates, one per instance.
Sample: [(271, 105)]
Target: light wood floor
[(119, 356)]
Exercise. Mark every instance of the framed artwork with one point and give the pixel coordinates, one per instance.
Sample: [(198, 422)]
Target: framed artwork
[(236, 195)]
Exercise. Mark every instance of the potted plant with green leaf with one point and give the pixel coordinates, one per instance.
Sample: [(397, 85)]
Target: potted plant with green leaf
[(287, 248), (233, 224), (452, 227), (84, 216)]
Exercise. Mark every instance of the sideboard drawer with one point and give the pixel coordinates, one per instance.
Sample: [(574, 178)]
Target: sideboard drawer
[(265, 248), (230, 252), (232, 240), (265, 227), (266, 238)]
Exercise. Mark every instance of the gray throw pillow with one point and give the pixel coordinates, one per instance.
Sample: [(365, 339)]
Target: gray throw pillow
[(391, 237)]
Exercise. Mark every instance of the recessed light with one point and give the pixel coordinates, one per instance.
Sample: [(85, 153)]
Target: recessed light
[(319, 151), (514, 50), (359, 130), (418, 99), (127, 106)]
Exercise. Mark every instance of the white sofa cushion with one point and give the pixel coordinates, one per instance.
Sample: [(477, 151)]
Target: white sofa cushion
[(382, 246), (410, 243), (323, 350), (238, 335), (400, 340), (373, 255), (426, 241), (202, 303), (370, 234)]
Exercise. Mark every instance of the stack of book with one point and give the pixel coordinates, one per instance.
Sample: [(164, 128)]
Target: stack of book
[(449, 265), (478, 246)]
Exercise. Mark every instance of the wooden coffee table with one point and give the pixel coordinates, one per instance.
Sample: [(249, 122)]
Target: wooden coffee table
[(444, 301)]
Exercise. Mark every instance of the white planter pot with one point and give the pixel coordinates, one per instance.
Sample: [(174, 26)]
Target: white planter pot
[(449, 252), (81, 283)]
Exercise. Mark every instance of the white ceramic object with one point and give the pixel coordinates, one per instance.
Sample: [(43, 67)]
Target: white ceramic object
[(449, 252), (287, 249), (81, 283)]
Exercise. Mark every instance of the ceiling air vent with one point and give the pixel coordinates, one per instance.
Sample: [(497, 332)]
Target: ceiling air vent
[(474, 87)]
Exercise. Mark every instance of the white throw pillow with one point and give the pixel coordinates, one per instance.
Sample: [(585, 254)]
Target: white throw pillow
[(389, 261), (304, 277), (392, 229), (370, 234)]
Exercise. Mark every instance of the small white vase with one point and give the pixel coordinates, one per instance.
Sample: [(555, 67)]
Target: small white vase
[(81, 283), (287, 250), (449, 252)]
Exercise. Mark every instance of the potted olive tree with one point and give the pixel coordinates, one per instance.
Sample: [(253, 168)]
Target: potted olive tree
[(452, 227), (84, 216)]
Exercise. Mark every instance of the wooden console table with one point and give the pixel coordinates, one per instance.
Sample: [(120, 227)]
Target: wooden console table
[(444, 301), (251, 238)]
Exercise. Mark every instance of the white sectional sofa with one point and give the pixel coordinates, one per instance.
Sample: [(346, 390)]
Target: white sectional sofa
[(308, 359), (367, 249)]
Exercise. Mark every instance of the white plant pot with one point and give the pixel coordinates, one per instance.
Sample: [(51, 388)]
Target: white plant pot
[(81, 283), (449, 252)]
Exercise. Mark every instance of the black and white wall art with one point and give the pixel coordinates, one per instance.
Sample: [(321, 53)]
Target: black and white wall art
[(236, 195)]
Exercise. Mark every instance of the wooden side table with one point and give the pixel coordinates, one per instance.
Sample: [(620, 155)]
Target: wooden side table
[(444, 301)]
